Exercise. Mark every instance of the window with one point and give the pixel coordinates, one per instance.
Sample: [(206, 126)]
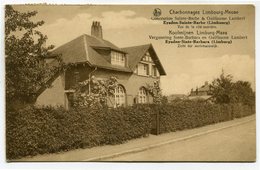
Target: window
[(142, 96), (117, 58), (154, 71), (76, 75), (143, 69), (119, 96), (136, 68), (147, 57)]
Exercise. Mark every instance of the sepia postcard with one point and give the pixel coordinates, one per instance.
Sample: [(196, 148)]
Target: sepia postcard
[(129, 83)]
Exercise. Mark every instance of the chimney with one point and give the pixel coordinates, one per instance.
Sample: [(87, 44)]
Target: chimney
[(96, 29)]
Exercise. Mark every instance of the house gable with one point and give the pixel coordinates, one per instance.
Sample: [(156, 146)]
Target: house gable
[(137, 53), (147, 66)]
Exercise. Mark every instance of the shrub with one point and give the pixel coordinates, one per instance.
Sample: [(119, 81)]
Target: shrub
[(192, 114), (240, 110), (32, 130)]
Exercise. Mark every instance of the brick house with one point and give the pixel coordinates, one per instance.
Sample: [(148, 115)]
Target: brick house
[(134, 67)]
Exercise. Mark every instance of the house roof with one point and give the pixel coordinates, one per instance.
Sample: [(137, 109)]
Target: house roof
[(205, 87), (205, 97), (84, 49), (176, 96), (137, 52)]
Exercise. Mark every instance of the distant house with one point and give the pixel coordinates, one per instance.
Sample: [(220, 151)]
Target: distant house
[(173, 97), (203, 92), (91, 55)]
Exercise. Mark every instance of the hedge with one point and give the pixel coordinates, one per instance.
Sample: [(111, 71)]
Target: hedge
[(31, 131), (192, 114), (189, 115)]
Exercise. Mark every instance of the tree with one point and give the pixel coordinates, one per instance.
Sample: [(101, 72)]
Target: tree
[(156, 92), (243, 93), (26, 71), (222, 88), (164, 100), (93, 92)]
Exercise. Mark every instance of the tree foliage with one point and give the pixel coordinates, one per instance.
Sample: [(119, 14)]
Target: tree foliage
[(94, 92), (25, 52), (243, 93), (156, 92), (224, 90)]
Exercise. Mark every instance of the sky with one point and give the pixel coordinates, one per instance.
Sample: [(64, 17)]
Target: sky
[(131, 25)]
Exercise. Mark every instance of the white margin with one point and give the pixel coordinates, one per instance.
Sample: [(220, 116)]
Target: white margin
[(125, 166)]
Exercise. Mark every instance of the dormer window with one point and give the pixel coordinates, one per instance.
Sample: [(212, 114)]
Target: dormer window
[(117, 58)]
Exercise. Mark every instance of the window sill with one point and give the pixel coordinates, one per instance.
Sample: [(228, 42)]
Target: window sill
[(118, 65), (149, 76)]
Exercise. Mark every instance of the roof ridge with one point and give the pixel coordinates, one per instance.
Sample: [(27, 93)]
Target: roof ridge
[(104, 42), (86, 48), (66, 43), (137, 46), (99, 39)]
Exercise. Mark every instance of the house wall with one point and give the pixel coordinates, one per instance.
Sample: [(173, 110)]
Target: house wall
[(70, 75), (202, 93), (53, 95), (131, 82)]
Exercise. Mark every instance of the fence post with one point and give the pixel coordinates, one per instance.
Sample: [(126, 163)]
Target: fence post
[(158, 122)]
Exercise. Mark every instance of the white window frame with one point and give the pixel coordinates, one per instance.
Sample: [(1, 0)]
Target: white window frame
[(120, 96), (142, 95), (143, 69), (147, 57), (155, 72), (118, 58)]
